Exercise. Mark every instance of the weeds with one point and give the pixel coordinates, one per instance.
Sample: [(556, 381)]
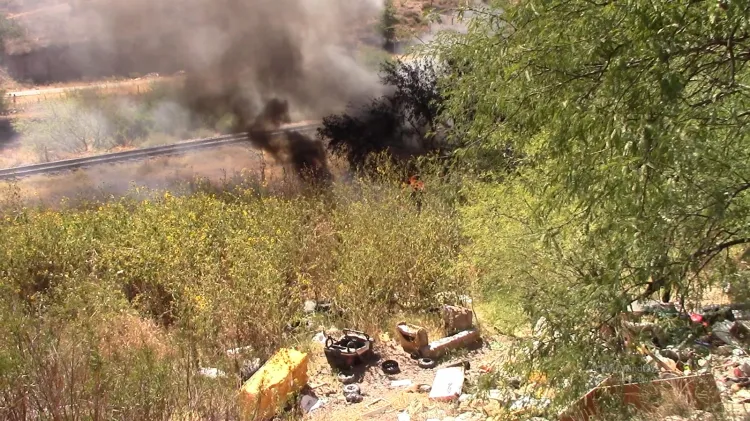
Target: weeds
[(109, 309)]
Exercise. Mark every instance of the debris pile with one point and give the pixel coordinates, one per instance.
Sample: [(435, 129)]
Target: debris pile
[(459, 330), (701, 354)]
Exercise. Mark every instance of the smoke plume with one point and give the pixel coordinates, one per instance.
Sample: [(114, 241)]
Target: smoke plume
[(240, 57)]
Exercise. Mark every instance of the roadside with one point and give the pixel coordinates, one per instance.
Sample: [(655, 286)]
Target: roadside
[(25, 97)]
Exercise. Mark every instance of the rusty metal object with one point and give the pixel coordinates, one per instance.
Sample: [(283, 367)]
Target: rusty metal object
[(351, 349), (411, 337)]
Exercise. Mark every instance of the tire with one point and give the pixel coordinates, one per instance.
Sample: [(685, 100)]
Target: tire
[(354, 398), (426, 363), (352, 389), (390, 367), (347, 378)]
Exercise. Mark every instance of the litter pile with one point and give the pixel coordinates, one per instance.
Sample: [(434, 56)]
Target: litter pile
[(282, 383), (701, 354)]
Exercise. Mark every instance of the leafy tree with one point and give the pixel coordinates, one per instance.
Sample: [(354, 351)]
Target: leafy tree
[(388, 22), (631, 118), (403, 122)]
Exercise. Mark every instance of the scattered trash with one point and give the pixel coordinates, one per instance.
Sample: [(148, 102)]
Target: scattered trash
[(347, 378), (310, 306), (426, 363), (250, 367), (352, 388), (285, 373), (390, 367), (655, 331), (351, 349), (528, 402), (377, 411), (401, 383), (701, 390), (448, 384), (354, 398), (310, 403), (212, 373), (320, 338), (440, 347), (466, 364), (457, 319), (640, 308), (411, 337), (237, 351), (466, 397), (324, 307), (696, 318), (403, 416), (726, 331)]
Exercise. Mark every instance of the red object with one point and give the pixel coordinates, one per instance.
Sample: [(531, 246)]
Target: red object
[(696, 318), (737, 372), (415, 183)]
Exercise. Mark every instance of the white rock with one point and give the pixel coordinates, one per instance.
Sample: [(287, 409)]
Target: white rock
[(403, 416)]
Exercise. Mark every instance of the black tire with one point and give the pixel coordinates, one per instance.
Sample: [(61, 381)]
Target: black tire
[(427, 363), (390, 367)]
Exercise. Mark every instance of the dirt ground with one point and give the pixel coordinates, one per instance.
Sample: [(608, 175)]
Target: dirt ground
[(385, 402)]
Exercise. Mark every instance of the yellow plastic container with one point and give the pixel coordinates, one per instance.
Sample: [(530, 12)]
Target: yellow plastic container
[(270, 387)]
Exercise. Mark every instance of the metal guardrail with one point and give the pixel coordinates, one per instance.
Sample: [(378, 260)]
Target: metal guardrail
[(138, 154)]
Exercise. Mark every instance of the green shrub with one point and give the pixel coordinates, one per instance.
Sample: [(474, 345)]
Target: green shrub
[(109, 308)]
